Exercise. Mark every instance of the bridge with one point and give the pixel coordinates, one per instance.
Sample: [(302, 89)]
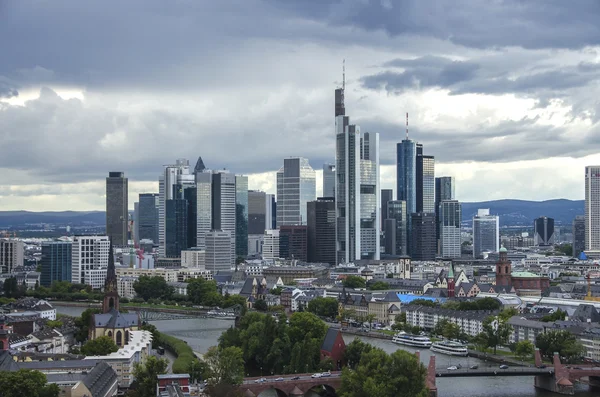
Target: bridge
[(493, 371), (290, 385), (159, 313)]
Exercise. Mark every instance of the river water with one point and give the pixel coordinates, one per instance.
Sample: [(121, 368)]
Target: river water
[(200, 334)]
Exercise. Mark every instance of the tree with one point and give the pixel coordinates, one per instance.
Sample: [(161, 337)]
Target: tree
[(100, 346), (447, 329), (203, 292), (324, 307), (370, 317), (565, 248), (379, 285), (497, 329), (524, 350), (12, 288), (354, 282), (154, 331), (424, 302), (261, 305), (224, 366), (480, 341), (556, 316), (83, 324), (26, 382), (148, 287), (563, 342), (54, 323), (354, 352), (385, 375), (146, 375), (276, 291)]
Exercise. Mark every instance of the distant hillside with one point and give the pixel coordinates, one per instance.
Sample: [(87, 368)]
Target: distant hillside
[(75, 218), (523, 212)]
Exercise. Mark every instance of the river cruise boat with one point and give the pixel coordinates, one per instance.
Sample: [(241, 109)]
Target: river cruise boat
[(449, 348), (412, 340)]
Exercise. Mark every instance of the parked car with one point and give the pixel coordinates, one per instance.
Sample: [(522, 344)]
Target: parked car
[(279, 379), (504, 366), (542, 366), (326, 374)]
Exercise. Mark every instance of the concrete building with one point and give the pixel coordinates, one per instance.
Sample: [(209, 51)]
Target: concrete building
[(578, 235), (224, 207), (117, 214), (423, 246), (592, 209), (255, 243), (89, 260), (204, 200), (56, 262), (386, 196), (270, 248), (288, 274), (543, 231), (194, 258), (270, 212), (257, 212), (293, 242), (425, 178), (11, 255), (296, 186), (450, 216), (176, 226), (241, 216), (444, 190), (321, 231), (147, 219), (218, 251), (328, 180), (486, 233)]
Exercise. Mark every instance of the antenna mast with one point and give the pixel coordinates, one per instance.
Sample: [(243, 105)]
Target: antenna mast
[(344, 74), (407, 126)]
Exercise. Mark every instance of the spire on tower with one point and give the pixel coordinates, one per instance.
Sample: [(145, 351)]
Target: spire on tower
[(344, 74), (407, 126)]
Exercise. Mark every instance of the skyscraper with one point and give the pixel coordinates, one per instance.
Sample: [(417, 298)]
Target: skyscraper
[(425, 181), (578, 235), (386, 195), (219, 251), (56, 262), (148, 217), (241, 216), (328, 180), (396, 210), (176, 227), (444, 190), (117, 215), (296, 186), (223, 205), (450, 214), (357, 190), (543, 231), (406, 174), (293, 242), (486, 233), (423, 242), (321, 230), (204, 194), (257, 212), (271, 244), (270, 212), (89, 260), (592, 208), (12, 254)]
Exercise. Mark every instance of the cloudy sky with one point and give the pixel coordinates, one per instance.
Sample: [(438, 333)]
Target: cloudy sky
[(505, 94)]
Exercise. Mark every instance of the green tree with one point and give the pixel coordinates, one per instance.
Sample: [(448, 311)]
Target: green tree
[(154, 331), (447, 329), (153, 287), (556, 316), (203, 292), (224, 366), (379, 285), (497, 329), (324, 307), (354, 352), (261, 305), (354, 282), (382, 375), (54, 323), (26, 382), (12, 288), (480, 341), (304, 325), (424, 302), (563, 342), (276, 291), (565, 248), (370, 318), (99, 347), (524, 350), (146, 375), (83, 324)]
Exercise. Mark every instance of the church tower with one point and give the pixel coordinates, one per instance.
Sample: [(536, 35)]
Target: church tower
[(111, 290), (503, 269), (450, 281)]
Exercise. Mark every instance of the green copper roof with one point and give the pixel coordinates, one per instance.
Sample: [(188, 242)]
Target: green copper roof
[(503, 249), (451, 270), (524, 275)]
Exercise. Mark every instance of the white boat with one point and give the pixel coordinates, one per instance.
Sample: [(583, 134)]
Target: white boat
[(412, 340), (450, 348)]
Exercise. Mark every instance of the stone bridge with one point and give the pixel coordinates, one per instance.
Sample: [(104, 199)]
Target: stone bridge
[(289, 386)]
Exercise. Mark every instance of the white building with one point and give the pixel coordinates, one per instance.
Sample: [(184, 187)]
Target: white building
[(11, 255), (486, 233), (125, 286), (193, 258), (255, 243), (89, 260), (218, 251), (328, 180), (592, 208), (270, 215), (168, 274), (271, 245), (450, 218), (190, 272), (296, 186)]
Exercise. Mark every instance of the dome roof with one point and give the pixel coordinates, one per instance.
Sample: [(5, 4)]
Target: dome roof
[(502, 249)]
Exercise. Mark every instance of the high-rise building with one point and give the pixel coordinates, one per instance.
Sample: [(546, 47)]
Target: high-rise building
[(444, 190), (223, 206), (425, 181), (592, 208), (423, 242), (396, 210), (321, 230), (176, 227), (328, 180), (293, 242), (406, 174), (270, 212), (543, 231), (56, 262), (486, 233), (12, 254), (270, 248), (578, 235), (296, 186), (190, 195), (117, 215), (135, 232), (257, 212), (450, 214), (89, 260), (204, 210), (218, 251), (357, 190), (241, 216), (389, 230), (386, 195)]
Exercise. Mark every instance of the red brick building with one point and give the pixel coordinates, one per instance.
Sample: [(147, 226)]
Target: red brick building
[(181, 381), (334, 347)]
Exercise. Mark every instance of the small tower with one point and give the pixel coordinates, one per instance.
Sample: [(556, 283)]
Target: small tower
[(111, 290), (503, 269), (450, 279)]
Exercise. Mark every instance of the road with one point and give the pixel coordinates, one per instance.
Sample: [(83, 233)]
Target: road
[(287, 378)]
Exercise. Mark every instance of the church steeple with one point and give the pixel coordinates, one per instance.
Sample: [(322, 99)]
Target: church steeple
[(111, 290)]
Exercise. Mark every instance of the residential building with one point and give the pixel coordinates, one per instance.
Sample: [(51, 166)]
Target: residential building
[(486, 233), (90, 260), (147, 220), (444, 190), (11, 255), (257, 213), (270, 248), (218, 251), (296, 186), (578, 235), (117, 214), (321, 231), (328, 180), (396, 232), (290, 273), (386, 196), (543, 231), (56, 262), (450, 217), (470, 322), (592, 208), (293, 242), (241, 216), (423, 246)]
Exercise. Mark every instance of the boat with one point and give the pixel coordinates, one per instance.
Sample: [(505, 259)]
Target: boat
[(450, 348), (412, 340)]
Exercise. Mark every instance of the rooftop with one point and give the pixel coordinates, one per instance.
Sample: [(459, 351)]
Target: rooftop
[(524, 275)]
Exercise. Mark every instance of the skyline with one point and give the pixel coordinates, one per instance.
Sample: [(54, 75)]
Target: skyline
[(491, 103)]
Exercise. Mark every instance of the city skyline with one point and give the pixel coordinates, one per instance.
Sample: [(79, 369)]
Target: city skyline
[(513, 105)]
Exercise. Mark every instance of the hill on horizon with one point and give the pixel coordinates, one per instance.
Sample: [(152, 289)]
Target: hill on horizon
[(22, 218)]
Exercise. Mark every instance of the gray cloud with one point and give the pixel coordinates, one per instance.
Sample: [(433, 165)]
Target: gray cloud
[(7, 90)]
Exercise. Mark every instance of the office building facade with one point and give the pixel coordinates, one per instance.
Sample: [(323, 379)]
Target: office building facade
[(241, 216), (204, 200), (328, 180), (321, 231), (117, 214), (425, 181), (397, 231), (89, 260), (257, 212), (406, 174), (224, 206), (592, 208), (56, 262), (444, 190), (12, 254), (293, 242), (450, 213), (578, 235), (486, 233), (270, 248), (423, 245), (296, 186), (218, 251), (386, 195), (270, 212), (176, 227), (543, 231)]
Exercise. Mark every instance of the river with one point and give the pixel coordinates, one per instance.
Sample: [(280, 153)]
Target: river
[(203, 333)]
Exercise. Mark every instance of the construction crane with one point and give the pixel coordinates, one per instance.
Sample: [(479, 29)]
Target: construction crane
[(589, 296)]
